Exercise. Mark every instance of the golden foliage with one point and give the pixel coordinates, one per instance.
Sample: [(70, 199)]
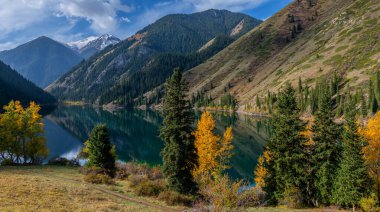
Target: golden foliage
[(213, 151), (21, 133), (261, 172), (371, 151)]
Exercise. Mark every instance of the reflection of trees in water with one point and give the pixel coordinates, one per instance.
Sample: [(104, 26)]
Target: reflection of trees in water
[(135, 134)]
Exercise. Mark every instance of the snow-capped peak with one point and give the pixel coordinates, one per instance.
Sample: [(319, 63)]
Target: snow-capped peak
[(97, 42), (82, 43)]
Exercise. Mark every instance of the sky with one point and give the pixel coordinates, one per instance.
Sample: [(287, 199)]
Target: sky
[(73, 20)]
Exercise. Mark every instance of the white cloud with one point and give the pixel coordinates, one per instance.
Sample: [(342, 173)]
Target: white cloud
[(101, 14), (7, 45), (16, 15), (126, 19)]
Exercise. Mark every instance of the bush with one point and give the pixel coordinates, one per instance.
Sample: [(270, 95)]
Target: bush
[(99, 179), (135, 180), (174, 198), (292, 198), (59, 161), (148, 188), (222, 194), (252, 197), (7, 162), (369, 204), (124, 170)]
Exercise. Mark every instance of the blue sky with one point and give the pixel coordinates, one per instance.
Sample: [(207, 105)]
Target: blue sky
[(72, 20)]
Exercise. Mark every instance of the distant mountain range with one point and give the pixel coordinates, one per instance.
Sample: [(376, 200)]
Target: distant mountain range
[(122, 73), (92, 45), (42, 60), (14, 87)]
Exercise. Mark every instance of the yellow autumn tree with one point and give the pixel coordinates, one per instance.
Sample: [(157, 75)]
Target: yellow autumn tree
[(21, 132), (371, 151), (261, 172), (213, 151)]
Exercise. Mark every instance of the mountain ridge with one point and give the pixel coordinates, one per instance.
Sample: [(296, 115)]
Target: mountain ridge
[(93, 44), (41, 60), (144, 60)]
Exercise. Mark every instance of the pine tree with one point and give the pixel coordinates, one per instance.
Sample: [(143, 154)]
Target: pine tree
[(326, 151), (363, 106), (352, 181), (179, 153), (258, 103), (287, 168), (100, 151)]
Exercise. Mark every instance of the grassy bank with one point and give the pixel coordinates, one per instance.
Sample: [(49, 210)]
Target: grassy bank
[(54, 188)]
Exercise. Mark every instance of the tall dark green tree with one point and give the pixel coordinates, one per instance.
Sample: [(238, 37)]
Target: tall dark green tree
[(179, 153), (326, 151), (100, 150), (352, 181), (287, 146)]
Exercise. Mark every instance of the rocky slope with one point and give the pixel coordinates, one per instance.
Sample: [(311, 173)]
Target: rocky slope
[(308, 39)]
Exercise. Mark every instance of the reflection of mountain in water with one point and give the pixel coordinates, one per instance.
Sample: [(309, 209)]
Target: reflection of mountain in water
[(135, 134)]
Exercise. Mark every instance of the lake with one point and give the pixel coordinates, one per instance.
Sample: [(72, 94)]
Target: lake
[(135, 135)]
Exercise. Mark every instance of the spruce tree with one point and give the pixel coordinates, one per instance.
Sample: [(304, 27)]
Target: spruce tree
[(326, 151), (100, 150), (363, 106), (287, 168), (352, 181), (179, 153)]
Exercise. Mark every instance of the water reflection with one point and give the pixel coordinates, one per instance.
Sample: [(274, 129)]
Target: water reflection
[(135, 135)]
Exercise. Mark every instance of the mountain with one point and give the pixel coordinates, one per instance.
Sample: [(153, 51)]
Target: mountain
[(14, 87), (309, 39), (42, 60), (92, 45), (120, 74)]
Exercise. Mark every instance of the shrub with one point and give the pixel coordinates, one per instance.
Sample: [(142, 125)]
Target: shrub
[(292, 198), (99, 179), (135, 180), (7, 162), (59, 161), (369, 204), (252, 197), (124, 170), (148, 188), (174, 198), (222, 193)]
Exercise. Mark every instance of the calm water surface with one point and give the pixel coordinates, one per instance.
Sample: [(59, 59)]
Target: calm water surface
[(135, 135)]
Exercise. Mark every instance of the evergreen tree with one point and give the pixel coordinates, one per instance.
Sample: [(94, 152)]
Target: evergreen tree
[(363, 106), (326, 152), (100, 151), (179, 153), (352, 180), (287, 168), (258, 103)]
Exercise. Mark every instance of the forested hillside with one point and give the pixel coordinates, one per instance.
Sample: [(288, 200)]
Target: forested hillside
[(14, 87), (122, 73), (309, 39)]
